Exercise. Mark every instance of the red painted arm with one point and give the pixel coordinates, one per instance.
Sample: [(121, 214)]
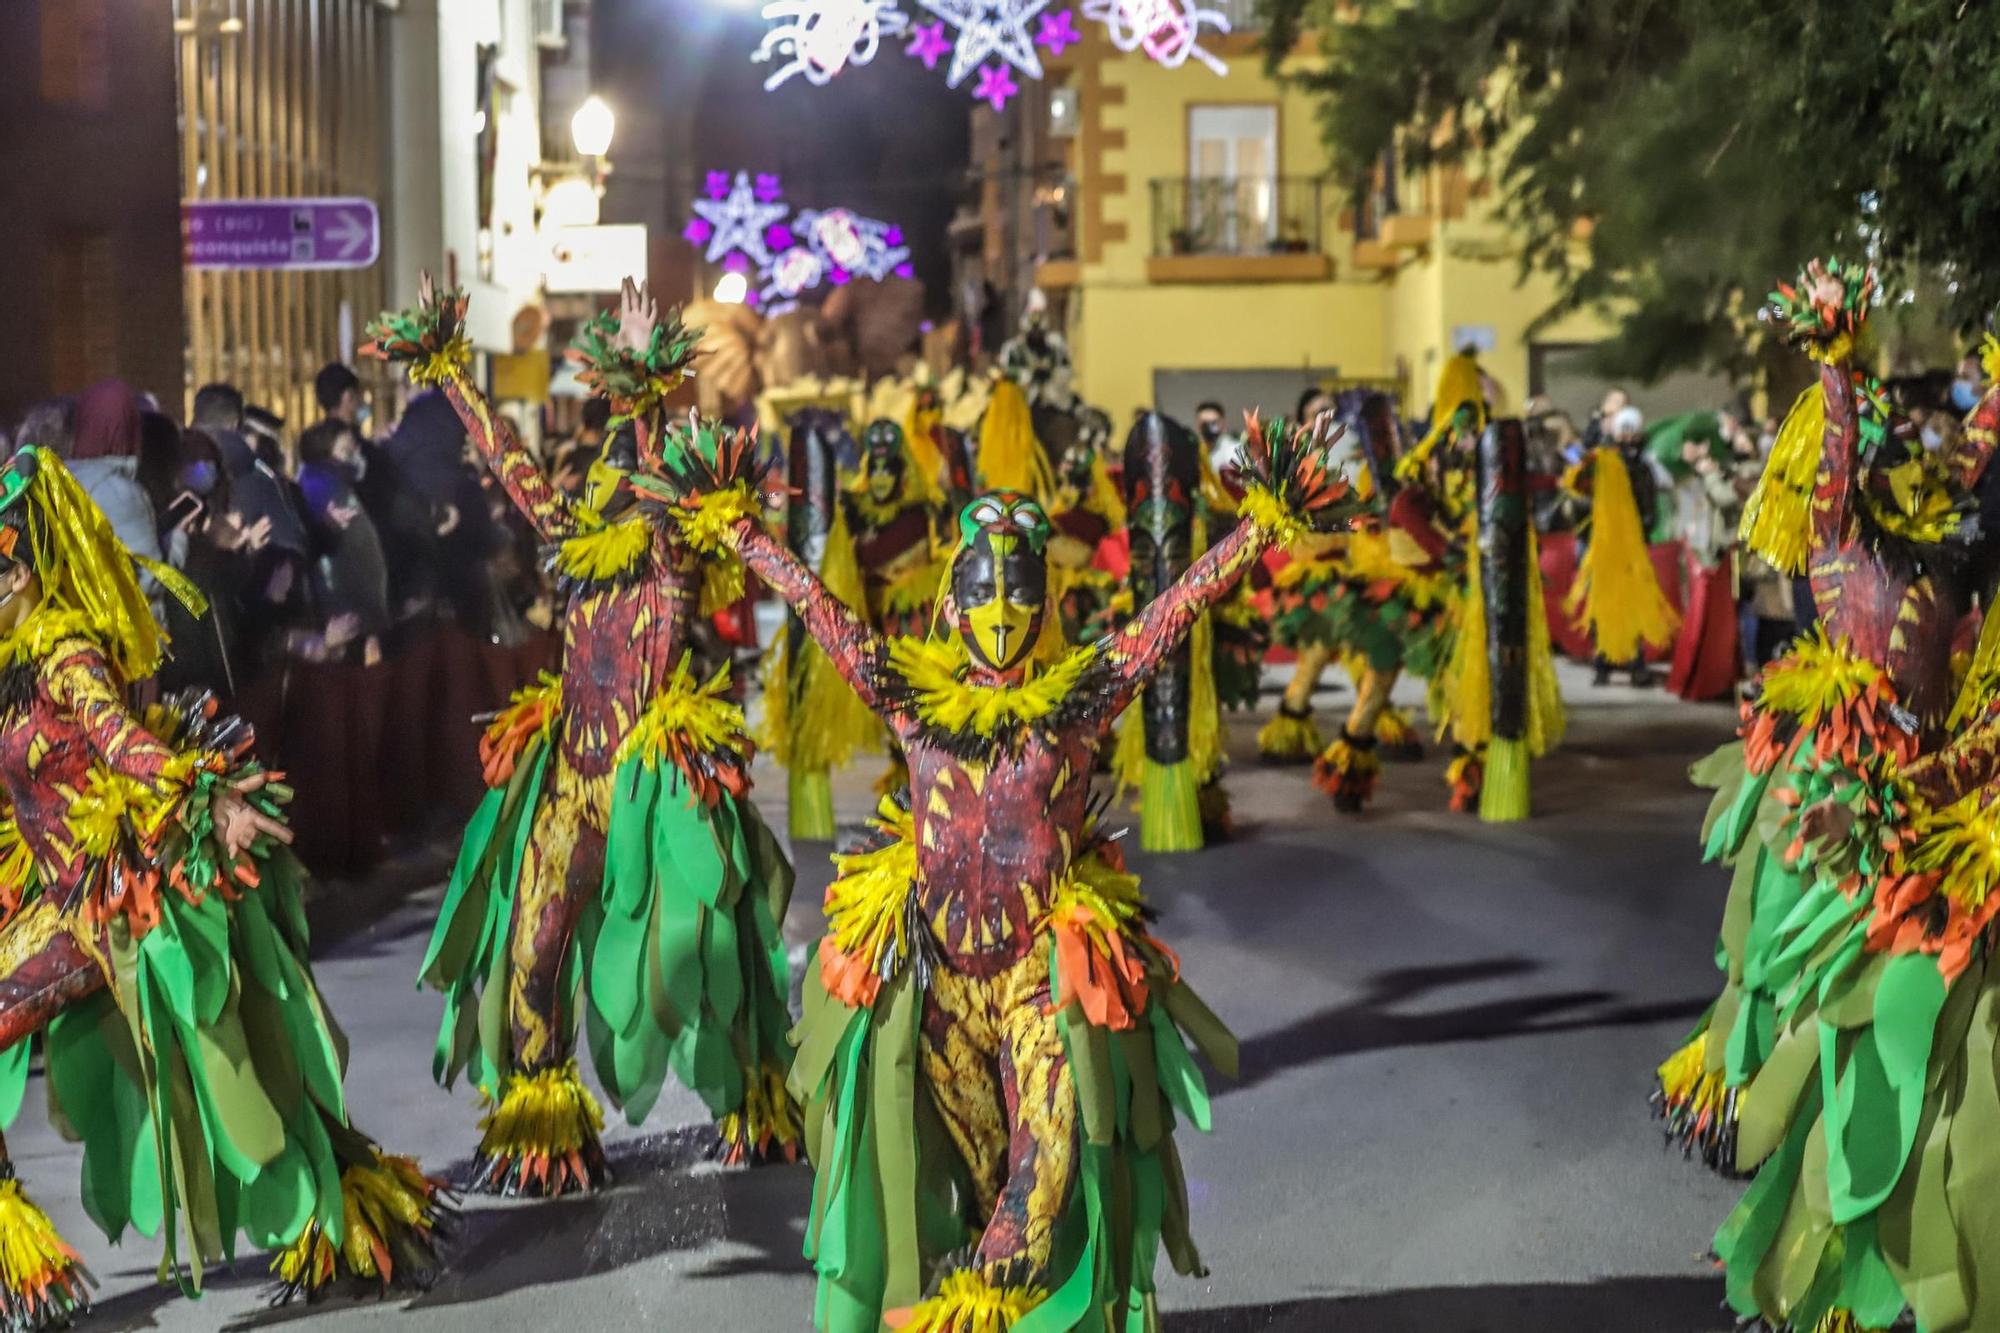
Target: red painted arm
[(79, 681), (1833, 501), (857, 652), (1413, 513), (525, 482), (1136, 651)]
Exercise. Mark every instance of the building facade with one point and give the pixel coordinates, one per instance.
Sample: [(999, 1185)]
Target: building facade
[(1182, 224)]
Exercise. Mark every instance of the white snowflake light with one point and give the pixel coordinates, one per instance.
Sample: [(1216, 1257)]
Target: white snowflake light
[(1169, 31), (848, 245), (989, 28), (819, 38), (736, 222)]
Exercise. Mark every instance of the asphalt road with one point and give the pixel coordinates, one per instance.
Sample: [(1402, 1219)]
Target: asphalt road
[(1448, 1031)]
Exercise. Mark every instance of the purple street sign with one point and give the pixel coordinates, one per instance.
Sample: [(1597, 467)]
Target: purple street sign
[(280, 233)]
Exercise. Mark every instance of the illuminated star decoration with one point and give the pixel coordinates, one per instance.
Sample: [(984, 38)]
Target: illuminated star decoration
[(1057, 32), (736, 222), (849, 245), (1169, 31), (928, 43), (996, 85), (819, 38), (989, 28)]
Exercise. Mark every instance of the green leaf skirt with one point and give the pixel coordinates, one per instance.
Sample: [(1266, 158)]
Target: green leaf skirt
[(677, 964), (890, 1197), (1866, 1093)]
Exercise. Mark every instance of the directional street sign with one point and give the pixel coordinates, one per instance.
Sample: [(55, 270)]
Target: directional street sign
[(280, 233)]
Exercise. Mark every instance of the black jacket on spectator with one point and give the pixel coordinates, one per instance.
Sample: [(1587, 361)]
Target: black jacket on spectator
[(350, 576), (427, 451)]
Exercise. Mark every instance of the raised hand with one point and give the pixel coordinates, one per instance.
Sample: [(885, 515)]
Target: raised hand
[(1291, 486), (430, 337), (239, 824), (638, 316)]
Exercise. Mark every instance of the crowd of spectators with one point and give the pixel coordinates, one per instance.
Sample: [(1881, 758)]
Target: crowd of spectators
[(367, 596)]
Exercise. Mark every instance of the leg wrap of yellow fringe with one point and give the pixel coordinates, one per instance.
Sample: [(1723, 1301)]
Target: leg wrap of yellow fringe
[(1170, 807), (42, 1282), (972, 1300), (542, 1137), (394, 1219), (1702, 1112), (767, 1128), (1289, 738), (1617, 594), (1465, 775), (1503, 797), (809, 800), (1397, 736)]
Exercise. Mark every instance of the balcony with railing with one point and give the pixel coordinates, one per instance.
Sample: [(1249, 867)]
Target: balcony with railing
[(1239, 229)]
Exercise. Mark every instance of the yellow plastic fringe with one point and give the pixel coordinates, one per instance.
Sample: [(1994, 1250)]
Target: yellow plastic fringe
[(1617, 593), (1170, 808), (1962, 842), (1129, 765), (1977, 684), (1686, 1080), (866, 903), (768, 1120), (1777, 518), (1010, 457), (1287, 737), (809, 805), (84, 569), (541, 1117), (1261, 506), (968, 1303), (378, 1201), (447, 363), (702, 714), (829, 724), (721, 583), (1342, 760), (1458, 386), (1816, 677), (1504, 796), (709, 523), (1463, 697), (1105, 501), (932, 666), (36, 1265), (925, 460), (1393, 729), (605, 552)]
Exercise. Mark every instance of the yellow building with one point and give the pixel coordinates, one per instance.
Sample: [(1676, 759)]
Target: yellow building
[(1212, 257)]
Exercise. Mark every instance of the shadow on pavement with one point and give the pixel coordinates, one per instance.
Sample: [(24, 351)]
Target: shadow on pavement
[(1627, 1305), (1364, 1024)]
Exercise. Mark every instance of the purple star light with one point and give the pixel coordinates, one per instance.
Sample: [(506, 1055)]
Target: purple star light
[(697, 231), (1058, 31), (718, 185), (768, 188), (928, 43), (996, 85), (892, 236), (736, 262), (779, 237), (907, 270)]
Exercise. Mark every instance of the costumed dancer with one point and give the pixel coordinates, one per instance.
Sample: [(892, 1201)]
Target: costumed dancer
[(1850, 1061), (1617, 599), (1170, 748), (993, 1044), (813, 723), (1085, 510), (616, 872), (1500, 696), (889, 506), (155, 936), (1401, 583)]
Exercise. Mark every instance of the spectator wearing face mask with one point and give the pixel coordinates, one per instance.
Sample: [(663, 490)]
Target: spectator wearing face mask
[(190, 493), (335, 698), (1211, 423)]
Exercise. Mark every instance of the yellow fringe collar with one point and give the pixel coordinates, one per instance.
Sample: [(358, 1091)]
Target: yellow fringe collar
[(935, 668), (1815, 678), (605, 553), (45, 627)]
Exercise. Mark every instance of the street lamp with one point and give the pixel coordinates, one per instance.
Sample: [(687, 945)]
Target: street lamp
[(590, 128)]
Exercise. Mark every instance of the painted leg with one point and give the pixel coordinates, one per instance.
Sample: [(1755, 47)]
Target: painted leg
[(1291, 737), (1007, 1090), (1350, 767), (543, 1135), (44, 968)]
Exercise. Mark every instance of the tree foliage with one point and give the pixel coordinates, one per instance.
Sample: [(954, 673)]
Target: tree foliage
[(1713, 145)]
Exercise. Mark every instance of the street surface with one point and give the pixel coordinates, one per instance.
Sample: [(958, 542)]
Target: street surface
[(1448, 1035)]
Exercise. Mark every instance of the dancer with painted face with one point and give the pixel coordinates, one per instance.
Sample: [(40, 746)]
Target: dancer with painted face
[(993, 1044), (616, 874), (889, 511), (152, 930)]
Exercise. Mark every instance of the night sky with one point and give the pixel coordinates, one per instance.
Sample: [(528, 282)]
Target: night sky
[(887, 139)]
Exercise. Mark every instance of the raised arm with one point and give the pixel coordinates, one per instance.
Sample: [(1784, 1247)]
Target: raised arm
[(1289, 491), (429, 339), (519, 474), (1834, 500), (857, 652)]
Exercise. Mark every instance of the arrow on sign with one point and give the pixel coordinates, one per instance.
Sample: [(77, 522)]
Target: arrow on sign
[(351, 232)]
